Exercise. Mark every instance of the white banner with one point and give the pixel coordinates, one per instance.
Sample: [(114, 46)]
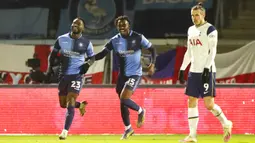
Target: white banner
[(238, 62), (14, 57)]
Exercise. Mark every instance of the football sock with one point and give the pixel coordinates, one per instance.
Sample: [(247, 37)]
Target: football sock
[(69, 117), (77, 104), (130, 104), (217, 112), (125, 114), (193, 119)]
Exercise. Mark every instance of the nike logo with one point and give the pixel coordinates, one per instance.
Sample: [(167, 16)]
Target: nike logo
[(206, 92)]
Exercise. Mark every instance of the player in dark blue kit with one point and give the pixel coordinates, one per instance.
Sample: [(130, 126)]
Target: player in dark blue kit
[(72, 47), (127, 46)]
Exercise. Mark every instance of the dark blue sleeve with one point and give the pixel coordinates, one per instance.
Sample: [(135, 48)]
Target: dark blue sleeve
[(210, 30), (105, 51), (54, 53), (109, 45)]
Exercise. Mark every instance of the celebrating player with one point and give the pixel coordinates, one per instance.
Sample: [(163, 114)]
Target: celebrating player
[(127, 46), (72, 47), (201, 51)]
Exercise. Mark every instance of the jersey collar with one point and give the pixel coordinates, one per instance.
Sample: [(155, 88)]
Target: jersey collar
[(71, 36), (130, 33)]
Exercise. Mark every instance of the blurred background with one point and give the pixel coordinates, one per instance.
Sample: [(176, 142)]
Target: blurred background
[(30, 27)]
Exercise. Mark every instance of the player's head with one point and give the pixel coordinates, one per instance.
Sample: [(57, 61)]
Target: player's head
[(77, 25), (198, 14), (122, 23)]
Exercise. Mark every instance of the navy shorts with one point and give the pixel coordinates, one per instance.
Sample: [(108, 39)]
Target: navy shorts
[(195, 87), (129, 82), (70, 83)]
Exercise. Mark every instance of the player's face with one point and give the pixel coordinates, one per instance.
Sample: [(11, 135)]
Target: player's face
[(77, 26), (123, 27), (197, 16)]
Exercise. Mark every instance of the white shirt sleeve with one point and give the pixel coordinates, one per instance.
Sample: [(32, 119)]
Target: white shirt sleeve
[(187, 57), (212, 44)]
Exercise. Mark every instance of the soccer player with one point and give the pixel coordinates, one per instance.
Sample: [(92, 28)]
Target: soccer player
[(127, 46), (72, 47), (201, 52)]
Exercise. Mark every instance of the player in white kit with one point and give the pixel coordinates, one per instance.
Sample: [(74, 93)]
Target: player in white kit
[(201, 51)]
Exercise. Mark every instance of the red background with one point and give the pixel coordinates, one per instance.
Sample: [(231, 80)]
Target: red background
[(37, 111)]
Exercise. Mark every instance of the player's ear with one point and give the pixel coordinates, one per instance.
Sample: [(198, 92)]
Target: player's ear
[(203, 13)]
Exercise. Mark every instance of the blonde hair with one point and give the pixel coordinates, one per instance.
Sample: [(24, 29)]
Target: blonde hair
[(199, 6)]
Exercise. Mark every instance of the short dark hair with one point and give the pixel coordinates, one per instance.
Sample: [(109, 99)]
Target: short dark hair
[(198, 6), (123, 17), (81, 20)]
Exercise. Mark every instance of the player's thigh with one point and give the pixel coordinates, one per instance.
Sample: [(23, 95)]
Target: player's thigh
[(193, 85), (62, 91), (62, 86), (120, 84), (71, 98), (62, 101), (208, 89), (130, 86), (75, 84)]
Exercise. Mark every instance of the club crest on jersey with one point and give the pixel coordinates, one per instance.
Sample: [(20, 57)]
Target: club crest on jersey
[(195, 42)]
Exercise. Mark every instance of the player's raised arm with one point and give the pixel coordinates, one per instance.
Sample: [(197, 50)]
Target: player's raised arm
[(148, 45), (212, 45), (104, 52), (53, 56)]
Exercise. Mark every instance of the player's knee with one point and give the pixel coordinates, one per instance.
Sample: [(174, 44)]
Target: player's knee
[(62, 105), (209, 102), (192, 102), (70, 103), (209, 106), (71, 99), (126, 94)]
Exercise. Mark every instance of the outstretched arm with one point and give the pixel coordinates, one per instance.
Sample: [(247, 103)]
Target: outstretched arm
[(104, 52)]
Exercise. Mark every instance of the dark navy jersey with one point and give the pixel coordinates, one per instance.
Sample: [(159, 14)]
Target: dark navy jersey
[(72, 53), (129, 52)]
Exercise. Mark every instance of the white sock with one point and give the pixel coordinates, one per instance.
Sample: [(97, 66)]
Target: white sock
[(193, 121), (140, 110), (64, 132), (217, 112), (127, 127)]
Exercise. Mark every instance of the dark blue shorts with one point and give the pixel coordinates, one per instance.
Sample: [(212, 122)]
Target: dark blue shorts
[(129, 82), (70, 83), (195, 87)]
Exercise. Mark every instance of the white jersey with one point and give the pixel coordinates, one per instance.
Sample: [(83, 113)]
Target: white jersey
[(201, 48)]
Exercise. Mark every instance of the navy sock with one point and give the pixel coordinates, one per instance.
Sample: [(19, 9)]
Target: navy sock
[(77, 104), (69, 117), (125, 114), (130, 104)]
